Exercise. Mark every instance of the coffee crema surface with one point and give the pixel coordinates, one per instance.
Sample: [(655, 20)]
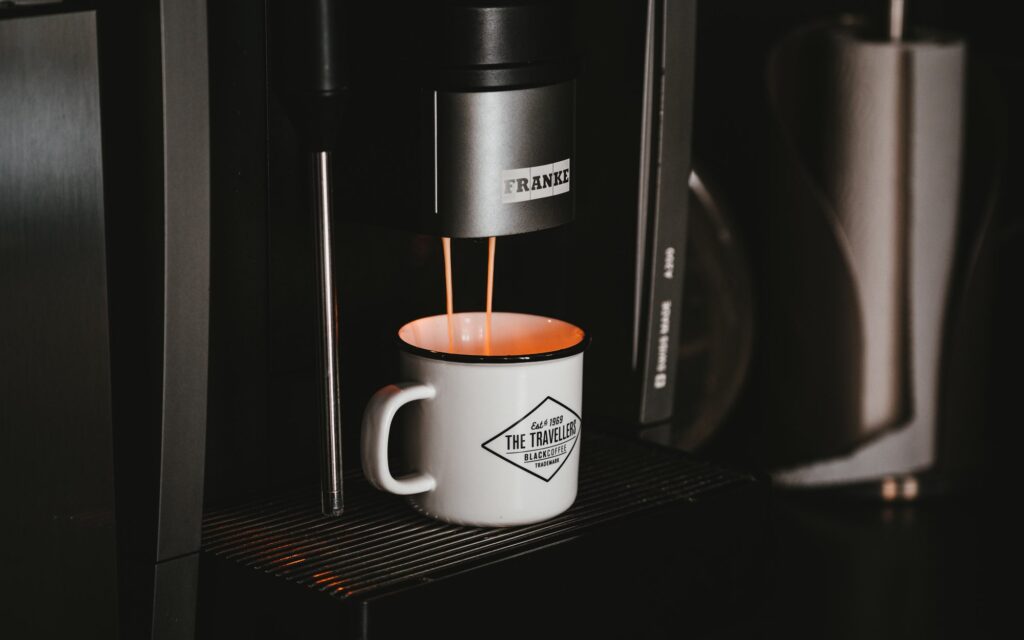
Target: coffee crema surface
[(511, 334)]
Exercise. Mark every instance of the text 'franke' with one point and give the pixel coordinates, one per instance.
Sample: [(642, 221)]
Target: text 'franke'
[(533, 183)]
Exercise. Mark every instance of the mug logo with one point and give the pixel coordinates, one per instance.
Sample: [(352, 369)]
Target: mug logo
[(534, 183), (541, 441)]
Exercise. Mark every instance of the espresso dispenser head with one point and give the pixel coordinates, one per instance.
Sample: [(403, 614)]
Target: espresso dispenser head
[(501, 103)]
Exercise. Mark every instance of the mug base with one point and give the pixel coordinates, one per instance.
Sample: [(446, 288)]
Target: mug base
[(491, 523)]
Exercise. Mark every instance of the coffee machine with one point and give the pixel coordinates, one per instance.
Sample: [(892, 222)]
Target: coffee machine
[(266, 187), (464, 98), (471, 112)]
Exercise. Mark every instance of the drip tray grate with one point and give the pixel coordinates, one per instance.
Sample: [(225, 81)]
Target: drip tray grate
[(381, 544)]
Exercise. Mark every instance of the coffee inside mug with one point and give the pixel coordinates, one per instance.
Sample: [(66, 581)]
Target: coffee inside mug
[(512, 336)]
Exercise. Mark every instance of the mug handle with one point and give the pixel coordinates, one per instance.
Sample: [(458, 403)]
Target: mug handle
[(380, 411)]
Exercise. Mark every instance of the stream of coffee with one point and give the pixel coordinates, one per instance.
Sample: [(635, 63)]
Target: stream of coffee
[(491, 242), (446, 247)]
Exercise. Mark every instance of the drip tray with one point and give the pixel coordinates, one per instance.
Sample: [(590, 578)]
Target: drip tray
[(660, 539)]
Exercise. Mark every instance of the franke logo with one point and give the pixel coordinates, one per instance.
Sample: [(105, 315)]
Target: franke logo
[(533, 183)]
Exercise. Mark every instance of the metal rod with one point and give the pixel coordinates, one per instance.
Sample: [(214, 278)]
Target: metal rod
[(331, 497)]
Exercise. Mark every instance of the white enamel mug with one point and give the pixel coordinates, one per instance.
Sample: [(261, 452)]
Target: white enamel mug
[(490, 420)]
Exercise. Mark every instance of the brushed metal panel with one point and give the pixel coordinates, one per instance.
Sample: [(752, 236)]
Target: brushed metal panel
[(174, 598), (59, 556), (187, 275), (480, 136)]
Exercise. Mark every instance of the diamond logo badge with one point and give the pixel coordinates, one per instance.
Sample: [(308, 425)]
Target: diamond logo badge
[(540, 442)]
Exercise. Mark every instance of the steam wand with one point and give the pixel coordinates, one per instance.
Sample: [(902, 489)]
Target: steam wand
[(316, 81), (332, 498)]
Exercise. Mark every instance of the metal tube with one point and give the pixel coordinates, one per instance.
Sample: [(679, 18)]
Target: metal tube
[(332, 499)]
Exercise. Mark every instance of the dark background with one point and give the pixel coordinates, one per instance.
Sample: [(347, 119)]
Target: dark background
[(847, 566)]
